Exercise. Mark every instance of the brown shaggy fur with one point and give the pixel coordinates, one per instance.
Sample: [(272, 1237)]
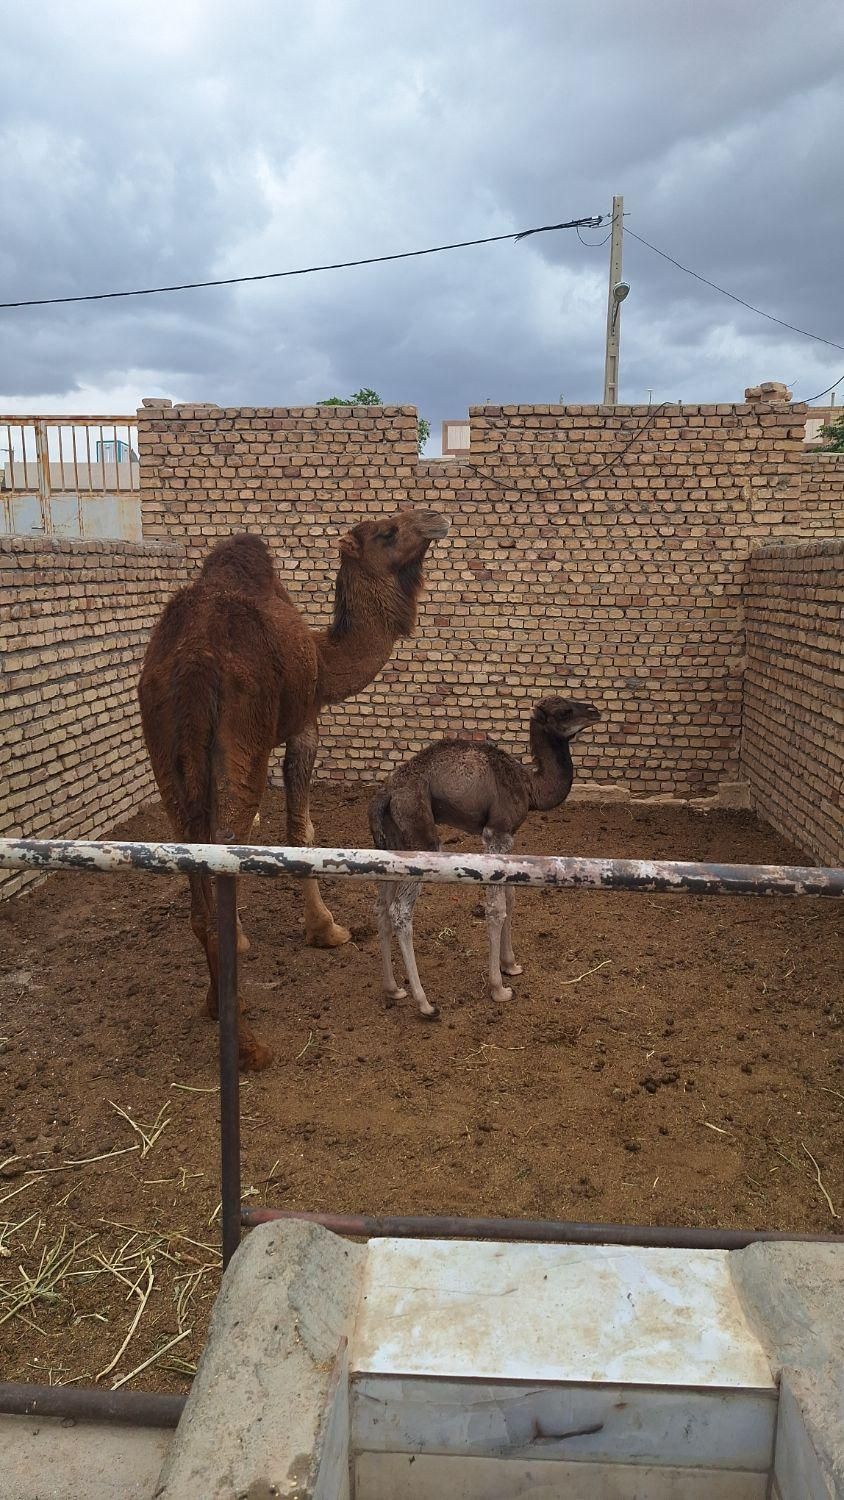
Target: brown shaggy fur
[(232, 671)]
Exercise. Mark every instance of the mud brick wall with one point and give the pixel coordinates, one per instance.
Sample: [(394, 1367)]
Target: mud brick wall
[(624, 588), (822, 510), (792, 753), (73, 627)]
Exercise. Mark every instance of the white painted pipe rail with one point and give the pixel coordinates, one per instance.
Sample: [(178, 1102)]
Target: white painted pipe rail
[(565, 872)]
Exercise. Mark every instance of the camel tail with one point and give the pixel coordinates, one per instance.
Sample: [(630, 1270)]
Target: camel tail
[(195, 755), (385, 834)]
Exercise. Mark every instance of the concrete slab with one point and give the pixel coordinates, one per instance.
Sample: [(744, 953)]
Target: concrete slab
[(555, 1313), (799, 1472), (263, 1408), (793, 1295), (386, 1476), (588, 1424), (43, 1459)]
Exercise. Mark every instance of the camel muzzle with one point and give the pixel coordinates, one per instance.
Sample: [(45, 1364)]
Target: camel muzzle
[(431, 525)]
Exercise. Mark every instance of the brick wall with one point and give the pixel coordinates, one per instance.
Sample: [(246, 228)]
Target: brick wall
[(626, 590), (73, 628), (822, 509), (792, 753)]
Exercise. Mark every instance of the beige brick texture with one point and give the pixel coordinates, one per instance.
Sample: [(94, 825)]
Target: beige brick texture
[(792, 752), (822, 509), (558, 576), (73, 627)]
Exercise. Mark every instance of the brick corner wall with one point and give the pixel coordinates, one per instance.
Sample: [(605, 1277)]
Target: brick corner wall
[(593, 551), (792, 751), (73, 631), (822, 511)]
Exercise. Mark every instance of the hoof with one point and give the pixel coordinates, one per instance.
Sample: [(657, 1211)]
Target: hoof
[(512, 970), (254, 1057), (328, 937), (503, 994), (429, 1015), (397, 994)]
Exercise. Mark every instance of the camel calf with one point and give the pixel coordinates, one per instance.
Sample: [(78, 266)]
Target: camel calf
[(479, 789)]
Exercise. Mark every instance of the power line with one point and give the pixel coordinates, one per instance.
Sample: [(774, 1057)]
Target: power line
[(592, 222), (592, 244), (732, 295), (590, 476), (807, 400)]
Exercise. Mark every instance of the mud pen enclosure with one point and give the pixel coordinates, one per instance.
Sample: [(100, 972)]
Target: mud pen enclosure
[(664, 1060)]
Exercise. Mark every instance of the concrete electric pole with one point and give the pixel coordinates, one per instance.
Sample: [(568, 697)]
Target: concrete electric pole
[(618, 290)]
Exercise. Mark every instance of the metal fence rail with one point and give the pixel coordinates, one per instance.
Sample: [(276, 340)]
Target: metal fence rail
[(562, 871), (227, 862), (69, 476)]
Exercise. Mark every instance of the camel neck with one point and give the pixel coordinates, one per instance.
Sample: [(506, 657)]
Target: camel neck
[(552, 773), (347, 663), (370, 615)]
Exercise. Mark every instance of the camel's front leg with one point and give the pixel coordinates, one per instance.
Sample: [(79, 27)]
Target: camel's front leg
[(509, 964), (321, 930), (386, 893), (401, 916), (499, 918)]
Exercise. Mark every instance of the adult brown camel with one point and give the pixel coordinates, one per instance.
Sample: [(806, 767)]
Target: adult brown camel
[(232, 671)]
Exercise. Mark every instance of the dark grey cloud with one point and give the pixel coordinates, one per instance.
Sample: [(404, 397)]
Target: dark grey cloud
[(145, 144)]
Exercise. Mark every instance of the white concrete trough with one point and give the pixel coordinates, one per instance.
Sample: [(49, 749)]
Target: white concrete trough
[(449, 1370)]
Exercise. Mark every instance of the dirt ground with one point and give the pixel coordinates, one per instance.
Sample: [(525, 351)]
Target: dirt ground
[(665, 1059)]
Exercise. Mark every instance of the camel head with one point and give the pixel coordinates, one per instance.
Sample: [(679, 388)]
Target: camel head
[(393, 545), (563, 718), (380, 577)]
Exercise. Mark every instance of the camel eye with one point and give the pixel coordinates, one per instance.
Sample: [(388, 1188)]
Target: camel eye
[(388, 536)]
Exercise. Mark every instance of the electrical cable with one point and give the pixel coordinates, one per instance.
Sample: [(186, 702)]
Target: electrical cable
[(809, 400), (592, 244), (732, 295), (593, 221), (583, 480)]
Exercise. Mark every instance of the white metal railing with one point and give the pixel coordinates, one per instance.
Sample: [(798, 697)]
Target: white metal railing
[(108, 856), (69, 476)]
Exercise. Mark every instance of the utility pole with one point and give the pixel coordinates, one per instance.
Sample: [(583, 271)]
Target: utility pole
[(618, 290)]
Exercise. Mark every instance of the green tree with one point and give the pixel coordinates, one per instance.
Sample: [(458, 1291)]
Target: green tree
[(832, 434), (367, 397)]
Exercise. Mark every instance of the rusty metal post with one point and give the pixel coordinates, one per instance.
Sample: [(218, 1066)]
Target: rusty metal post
[(229, 1063), (42, 455), (547, 1231), (90, 1404)]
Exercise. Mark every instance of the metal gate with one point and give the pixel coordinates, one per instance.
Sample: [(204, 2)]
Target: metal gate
[(70, 477)]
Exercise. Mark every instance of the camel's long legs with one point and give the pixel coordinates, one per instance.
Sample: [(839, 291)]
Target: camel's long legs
[(496, 911), (401, 914), (499, 915), (508, 957), (386, 893), (239, 797), (321, 930)]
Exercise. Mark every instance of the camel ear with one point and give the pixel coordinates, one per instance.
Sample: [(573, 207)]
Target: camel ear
[(350, 545)]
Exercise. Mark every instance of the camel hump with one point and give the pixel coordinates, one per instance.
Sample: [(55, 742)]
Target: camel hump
[(241, 563)]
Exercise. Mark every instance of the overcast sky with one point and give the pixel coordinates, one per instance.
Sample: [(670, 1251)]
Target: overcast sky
[(175, 140)]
